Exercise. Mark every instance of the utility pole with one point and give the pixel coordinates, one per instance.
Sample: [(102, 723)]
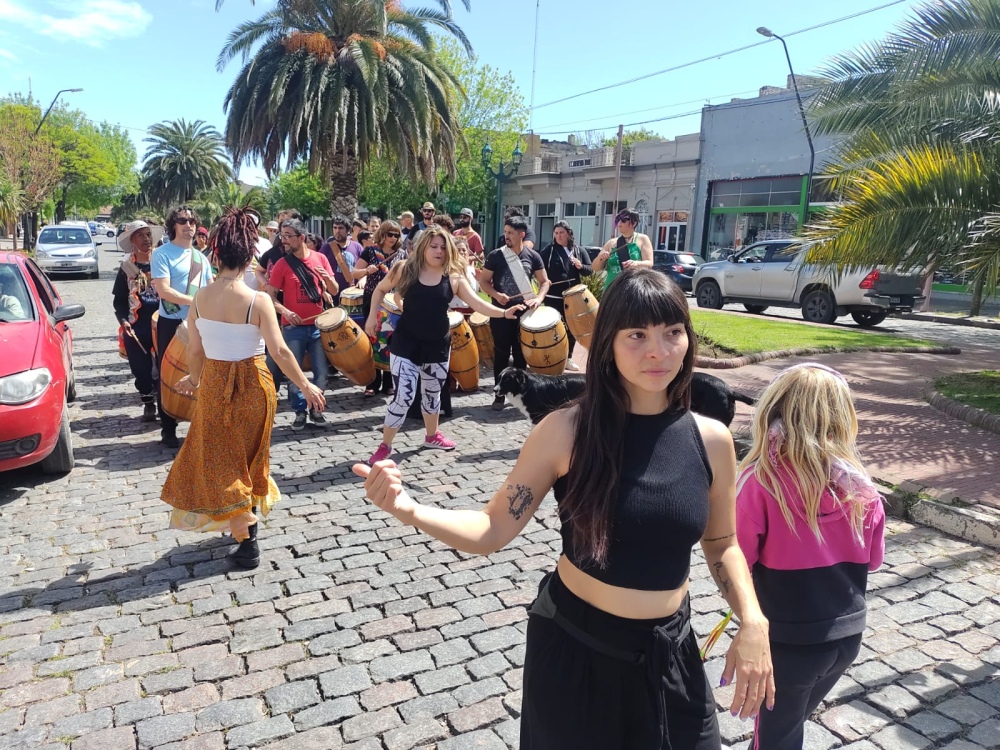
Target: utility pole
[(618, 168), (534, 69)]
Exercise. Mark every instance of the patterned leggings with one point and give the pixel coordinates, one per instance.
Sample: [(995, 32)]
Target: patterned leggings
[(405, 375)]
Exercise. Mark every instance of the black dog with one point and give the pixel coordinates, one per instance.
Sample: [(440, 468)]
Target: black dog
[(537, 395)]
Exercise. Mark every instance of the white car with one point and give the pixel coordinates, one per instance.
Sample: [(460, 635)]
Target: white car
[(774, 273), (67, 248)]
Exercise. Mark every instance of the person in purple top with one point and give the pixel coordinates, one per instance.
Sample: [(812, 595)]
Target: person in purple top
[(342, 240)]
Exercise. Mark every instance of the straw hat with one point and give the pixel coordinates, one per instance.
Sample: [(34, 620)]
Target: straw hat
[(125, 238)]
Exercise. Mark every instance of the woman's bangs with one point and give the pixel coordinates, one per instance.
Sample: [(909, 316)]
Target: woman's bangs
[(654, 305)]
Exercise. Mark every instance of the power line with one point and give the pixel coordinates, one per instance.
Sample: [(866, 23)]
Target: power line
[(719, 55), (653, 109)]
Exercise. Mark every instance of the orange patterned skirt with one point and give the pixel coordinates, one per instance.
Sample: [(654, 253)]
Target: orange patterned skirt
[(223, 468)]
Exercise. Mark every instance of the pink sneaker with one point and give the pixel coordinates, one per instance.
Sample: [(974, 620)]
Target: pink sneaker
[(439, 441), (383, 452)]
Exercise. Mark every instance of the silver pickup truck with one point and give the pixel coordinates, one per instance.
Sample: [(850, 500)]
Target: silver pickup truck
[(773, 273)]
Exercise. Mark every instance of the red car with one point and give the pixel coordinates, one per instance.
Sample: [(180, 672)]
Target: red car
[(36, 368)]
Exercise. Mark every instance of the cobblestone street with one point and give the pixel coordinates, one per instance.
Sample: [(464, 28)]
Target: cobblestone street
[(117, 633)]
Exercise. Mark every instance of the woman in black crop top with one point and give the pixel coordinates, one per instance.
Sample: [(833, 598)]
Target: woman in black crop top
[(611, 661), (425, 284)]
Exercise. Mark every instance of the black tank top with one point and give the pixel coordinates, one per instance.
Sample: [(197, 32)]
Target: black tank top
[(662, 506), (423, 334)]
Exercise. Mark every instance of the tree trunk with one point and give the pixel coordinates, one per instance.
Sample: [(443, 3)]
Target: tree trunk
[(977, 293), (343, 178), (61, 208)]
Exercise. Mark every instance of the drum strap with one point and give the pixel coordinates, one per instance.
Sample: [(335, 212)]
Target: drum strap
[(341, 263), (517, 272)]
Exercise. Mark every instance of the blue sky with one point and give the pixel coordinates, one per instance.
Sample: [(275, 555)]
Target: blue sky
[(144, 61)]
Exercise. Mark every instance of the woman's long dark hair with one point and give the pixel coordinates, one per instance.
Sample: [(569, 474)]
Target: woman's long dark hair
[(569, 230), (638, 298), (234, 238)]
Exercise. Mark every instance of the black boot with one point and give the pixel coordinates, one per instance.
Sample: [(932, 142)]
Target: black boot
[(148, 412), (247, 555)]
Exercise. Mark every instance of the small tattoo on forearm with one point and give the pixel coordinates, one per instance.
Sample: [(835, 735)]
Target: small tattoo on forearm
[(719, 538), (520, 500), (724, 583)]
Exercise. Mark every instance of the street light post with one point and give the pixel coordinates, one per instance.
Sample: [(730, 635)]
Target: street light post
[(500, 175), (30, 220), (764, 31)]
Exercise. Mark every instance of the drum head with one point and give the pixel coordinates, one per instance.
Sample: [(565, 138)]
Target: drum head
[(478, 319), (353, 294), (541, 319), (330, 319), (578, 289), (455, 319), (389, 303)]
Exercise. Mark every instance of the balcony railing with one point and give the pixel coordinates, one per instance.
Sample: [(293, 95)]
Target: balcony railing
[(598, 157)]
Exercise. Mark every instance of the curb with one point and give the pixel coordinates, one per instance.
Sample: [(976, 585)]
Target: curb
[(969, 414), (949, 320), (912, 501), (711, 363)]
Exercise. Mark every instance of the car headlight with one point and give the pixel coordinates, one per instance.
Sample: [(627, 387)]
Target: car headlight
[(24, 386), (40, 253), (92, 253)]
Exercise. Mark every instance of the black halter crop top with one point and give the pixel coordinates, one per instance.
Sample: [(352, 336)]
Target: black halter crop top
[(662, 507)]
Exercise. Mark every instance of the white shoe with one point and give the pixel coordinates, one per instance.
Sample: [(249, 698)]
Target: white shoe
[(572, 366)]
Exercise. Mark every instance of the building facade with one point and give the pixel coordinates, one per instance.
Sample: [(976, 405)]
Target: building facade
[(657, 179), (751, 182)]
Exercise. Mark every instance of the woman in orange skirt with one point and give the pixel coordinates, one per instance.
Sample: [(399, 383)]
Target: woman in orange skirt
[(221, 477)]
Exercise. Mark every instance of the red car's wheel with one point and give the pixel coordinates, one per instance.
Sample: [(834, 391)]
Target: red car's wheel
[(60, 460)]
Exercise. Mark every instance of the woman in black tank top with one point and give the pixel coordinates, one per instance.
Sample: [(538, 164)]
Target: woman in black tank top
[(420, 348), (611, 661)]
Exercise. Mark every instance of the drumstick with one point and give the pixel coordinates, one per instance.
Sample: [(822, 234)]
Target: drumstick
[(135, 338)]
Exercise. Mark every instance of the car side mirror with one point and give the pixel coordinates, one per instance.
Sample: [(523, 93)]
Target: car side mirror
[(732, 259), (68, 312)]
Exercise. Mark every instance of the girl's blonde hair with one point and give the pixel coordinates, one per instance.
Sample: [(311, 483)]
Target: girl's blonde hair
[(416, 262), (805, 422)]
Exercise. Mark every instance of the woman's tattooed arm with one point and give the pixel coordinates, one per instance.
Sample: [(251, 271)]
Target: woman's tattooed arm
[(520, 498)]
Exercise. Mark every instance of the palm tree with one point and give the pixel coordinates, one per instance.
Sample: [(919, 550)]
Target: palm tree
[(213, 204), (335, 82), (918, 172), (11, 206), (184, 159)]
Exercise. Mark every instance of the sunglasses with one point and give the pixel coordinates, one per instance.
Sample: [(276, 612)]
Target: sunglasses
[(394, 235), (182, 220), (428, 211)]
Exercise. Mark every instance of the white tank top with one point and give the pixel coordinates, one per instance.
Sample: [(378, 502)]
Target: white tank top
[(230, 342)]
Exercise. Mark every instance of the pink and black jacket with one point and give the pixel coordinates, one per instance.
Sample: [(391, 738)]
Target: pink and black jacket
[(811, 591)]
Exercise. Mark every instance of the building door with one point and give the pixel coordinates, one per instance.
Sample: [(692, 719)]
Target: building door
[(671, 236)]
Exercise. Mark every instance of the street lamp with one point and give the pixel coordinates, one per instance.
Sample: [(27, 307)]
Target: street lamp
[(764, 31), (30, 221), (500, 175)]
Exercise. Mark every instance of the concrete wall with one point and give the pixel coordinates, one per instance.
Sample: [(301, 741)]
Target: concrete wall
[(761, 137)]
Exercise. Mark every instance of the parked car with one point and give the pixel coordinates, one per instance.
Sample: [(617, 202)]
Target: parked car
[(678, 266), (774, 273), (37, 380), (67, 249)]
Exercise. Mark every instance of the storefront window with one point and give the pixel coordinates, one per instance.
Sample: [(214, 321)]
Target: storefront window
[(731, 232), (764, 191)]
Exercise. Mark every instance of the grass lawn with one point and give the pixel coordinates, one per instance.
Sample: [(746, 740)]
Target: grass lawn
[(736, 334), (978, 389)]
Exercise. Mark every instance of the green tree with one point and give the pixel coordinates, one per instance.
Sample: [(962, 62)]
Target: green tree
[(493, 110), (918, 171), (337, 82), (183, 161), (301, 189), (29, 163), (11, 206), (212, 205), (632, 137)]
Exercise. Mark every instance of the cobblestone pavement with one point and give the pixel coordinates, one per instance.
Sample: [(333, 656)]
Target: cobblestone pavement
[(117, 633)]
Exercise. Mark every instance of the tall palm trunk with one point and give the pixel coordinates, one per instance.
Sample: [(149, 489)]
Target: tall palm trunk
[(343, 179), (977, 293)]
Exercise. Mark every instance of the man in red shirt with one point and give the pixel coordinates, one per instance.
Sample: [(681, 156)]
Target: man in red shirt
[(302, 277), (465, 219)]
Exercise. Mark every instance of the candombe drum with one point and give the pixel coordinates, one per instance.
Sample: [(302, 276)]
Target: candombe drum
[(387, 319), (352, 300), (543, 341), (175, 367), (346, 345), (581, 313), (464, 363), (483, 334)]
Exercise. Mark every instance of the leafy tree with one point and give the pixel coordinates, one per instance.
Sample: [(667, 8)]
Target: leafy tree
[(184, 160), (213, 204), (11, 205), (29, 163), (493, 110), (632, 137), (918, 171), (338, 82), (302, 190)]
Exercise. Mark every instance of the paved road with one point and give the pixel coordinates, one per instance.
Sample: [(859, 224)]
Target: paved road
[(117, 633)]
